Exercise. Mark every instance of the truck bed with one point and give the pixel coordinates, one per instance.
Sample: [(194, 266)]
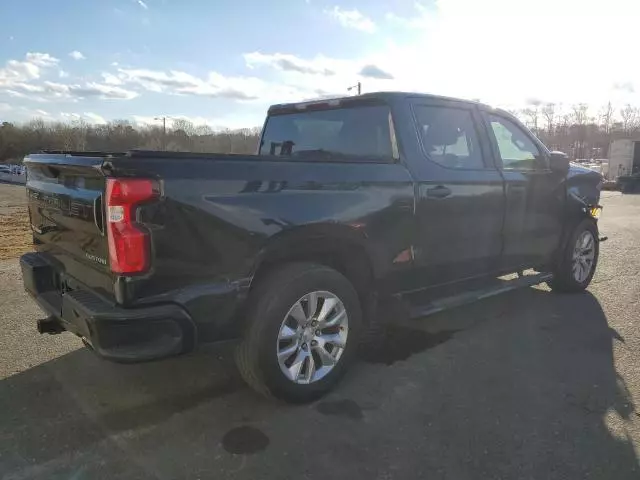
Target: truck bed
[(217, 215)]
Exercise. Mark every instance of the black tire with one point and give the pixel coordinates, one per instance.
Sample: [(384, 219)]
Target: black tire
[(564, 280), (269, 303)]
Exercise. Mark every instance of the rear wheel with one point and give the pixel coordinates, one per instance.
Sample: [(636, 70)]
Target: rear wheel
[(577, 264), (302, 332)]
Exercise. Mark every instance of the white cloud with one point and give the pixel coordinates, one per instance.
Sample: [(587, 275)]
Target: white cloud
[(76, 55), (94, 118), (159, 81), (111, 79), (419, 19), (214, 85), (352, 19), (53, 90), (87, 117), (94, 89), (41, 59), (14, 93), (26, 114), (69, 115), (143, 4), (289, 63), (17, 71)]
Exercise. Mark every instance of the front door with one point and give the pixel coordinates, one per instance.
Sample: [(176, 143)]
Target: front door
[(461, 203), (535, 195)]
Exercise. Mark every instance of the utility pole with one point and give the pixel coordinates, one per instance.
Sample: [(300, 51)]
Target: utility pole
[(164, 131), (358, 86)]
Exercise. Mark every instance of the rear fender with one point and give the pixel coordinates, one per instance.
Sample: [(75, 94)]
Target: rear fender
[(306, 240)]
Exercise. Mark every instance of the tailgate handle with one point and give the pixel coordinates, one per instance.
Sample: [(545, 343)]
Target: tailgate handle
[(97, 214)]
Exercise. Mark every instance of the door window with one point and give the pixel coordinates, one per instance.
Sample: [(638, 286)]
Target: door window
[(449, 137), (516, 148)]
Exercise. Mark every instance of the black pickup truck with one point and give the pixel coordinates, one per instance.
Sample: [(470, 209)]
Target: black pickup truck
[(347, 203)]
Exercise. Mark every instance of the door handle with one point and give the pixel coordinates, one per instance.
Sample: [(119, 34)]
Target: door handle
[(438, 192)]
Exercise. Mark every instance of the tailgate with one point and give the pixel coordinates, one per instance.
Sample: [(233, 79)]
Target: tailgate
[(65, 201)]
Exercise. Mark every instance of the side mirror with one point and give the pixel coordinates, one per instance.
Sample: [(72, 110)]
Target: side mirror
[(559, 162)]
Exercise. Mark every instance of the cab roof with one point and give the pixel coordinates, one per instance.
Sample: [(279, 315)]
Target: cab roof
[(365, 98)]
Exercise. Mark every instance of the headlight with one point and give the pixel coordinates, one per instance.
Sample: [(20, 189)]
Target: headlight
[(595, 212)]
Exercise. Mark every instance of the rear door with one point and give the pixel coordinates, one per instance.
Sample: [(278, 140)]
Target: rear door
[(65, 202), (535, 195), (460, 194)]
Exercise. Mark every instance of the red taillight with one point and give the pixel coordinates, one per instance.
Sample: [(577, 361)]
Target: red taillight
[(129, 247)]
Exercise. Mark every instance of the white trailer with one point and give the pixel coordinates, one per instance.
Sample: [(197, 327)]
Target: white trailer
[(624, 158)]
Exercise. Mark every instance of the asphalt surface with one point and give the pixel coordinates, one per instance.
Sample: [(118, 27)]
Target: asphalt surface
[(527, 385)]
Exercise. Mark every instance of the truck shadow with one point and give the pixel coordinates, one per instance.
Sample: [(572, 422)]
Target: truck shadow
[(541, 363)]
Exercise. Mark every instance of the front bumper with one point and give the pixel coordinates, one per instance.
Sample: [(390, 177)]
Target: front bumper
[(115, 333)]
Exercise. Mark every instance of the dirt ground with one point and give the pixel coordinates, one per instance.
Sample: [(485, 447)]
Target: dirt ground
[(15, 233)]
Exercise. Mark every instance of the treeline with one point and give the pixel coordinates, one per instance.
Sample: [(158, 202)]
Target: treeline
[(581, 131), (16, 141)]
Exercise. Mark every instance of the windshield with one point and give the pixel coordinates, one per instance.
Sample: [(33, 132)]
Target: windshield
[(346, 132)]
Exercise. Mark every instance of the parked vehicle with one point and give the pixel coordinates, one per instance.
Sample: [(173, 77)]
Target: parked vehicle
[(624, 158), (347, 202), (624, 164)]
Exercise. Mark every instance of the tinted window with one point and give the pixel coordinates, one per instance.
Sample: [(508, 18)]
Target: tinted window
[(449, 137), (345, 133), (517, 150)]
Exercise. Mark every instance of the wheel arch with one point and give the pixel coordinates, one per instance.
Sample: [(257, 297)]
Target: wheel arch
[(340, 247)]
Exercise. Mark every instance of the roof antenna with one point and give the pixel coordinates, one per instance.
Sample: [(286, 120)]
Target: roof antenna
[(358, 86)]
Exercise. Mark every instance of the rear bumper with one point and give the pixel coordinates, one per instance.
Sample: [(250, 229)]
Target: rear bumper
[(115, 333)]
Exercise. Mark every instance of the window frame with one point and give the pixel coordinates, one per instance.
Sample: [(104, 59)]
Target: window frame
[(470, 110), (541, 163), (373, 159)]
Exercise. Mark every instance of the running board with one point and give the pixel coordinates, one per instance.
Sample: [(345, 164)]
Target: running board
[(475, 295)]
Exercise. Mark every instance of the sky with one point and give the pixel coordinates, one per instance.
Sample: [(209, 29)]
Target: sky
[(222, 63)]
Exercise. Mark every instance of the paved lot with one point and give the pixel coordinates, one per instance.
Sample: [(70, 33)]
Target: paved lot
[(529, 385)]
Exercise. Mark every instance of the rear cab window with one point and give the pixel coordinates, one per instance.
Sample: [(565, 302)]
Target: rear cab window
[(353, 133)]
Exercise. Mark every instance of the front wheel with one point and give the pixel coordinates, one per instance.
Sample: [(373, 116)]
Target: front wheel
[(302, 332), (578, 261)]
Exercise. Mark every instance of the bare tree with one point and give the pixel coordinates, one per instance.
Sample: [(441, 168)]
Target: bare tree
[(185, 125), (531, 117), (580, 113), (629, 115), (80, 127), (580, 118), (532, 113), (549, 114), (606, 117)]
